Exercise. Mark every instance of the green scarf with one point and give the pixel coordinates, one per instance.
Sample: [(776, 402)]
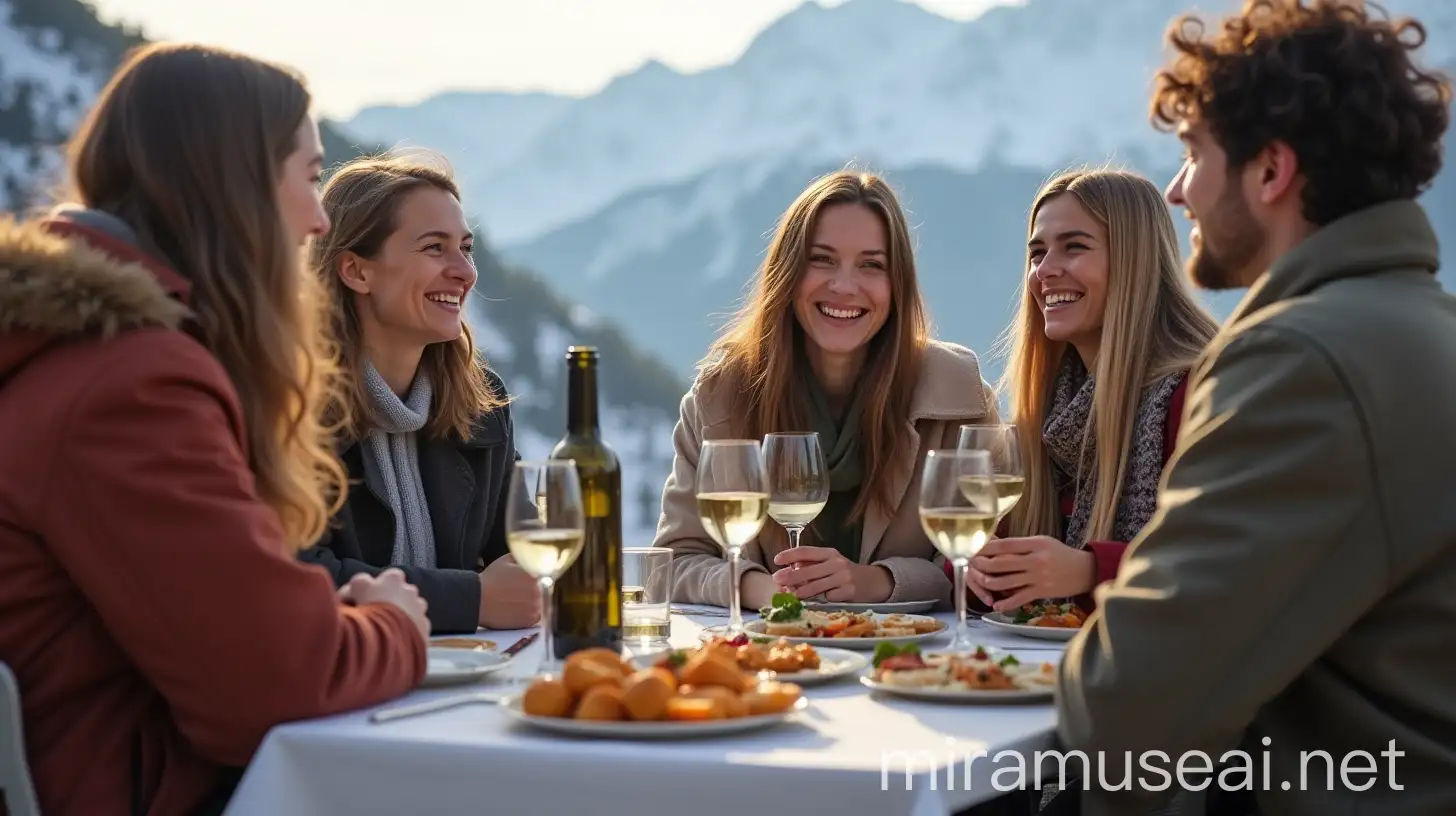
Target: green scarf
[(839, 438)]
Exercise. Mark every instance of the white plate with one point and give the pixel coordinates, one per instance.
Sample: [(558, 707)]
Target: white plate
[(905, 607), (655, 729), (942, 695), (756, 629), (833, 664), (1001, 621), (450, 667)]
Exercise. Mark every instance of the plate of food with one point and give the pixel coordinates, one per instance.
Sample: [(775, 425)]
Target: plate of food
[(788, 619), (798, 663), (1043, 621), (983, 676), (449, 666), (904, 607), (685, 694)]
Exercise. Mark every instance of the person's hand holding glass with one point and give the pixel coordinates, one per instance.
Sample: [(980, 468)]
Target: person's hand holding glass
[(545, 531), (1012, 572), (798, 480), (958, 510), (732, 504)]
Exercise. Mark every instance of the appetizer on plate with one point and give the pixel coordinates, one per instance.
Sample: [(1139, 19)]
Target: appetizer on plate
[(1055, 616), (788, 617), (763, 653), (685, 685), (978, 671)]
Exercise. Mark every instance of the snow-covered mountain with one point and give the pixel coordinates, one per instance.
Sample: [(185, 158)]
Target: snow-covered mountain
[(651, 200), (54, 57), (1035, 85)]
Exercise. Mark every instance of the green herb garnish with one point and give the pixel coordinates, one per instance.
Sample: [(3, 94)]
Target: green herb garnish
[(677, 659), (786, 607), (885, 651), (1010, 660)]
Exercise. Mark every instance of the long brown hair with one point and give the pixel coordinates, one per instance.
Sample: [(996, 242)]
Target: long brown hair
[(1152, 327), (362, 199), (186, 145), (760, 358)]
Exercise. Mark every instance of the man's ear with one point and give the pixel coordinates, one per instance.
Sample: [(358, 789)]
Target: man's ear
[(1277, 166), (353, 273)]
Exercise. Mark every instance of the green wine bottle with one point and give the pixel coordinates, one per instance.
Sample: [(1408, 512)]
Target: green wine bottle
[(588, 597)]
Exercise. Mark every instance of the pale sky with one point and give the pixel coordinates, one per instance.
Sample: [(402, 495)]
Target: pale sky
[(363, 52)]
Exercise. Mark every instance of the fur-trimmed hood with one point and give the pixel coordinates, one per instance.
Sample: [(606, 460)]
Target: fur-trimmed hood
[(60, 279)]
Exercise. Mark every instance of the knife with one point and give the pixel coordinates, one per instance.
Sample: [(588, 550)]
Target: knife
[(521, 644)]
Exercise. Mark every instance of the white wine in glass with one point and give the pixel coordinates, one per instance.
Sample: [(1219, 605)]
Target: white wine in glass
[(958, 513), (545, 531), (732, 504), (1005, 449), (798, 480)]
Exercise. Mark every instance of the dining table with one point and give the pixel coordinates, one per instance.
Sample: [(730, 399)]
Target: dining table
[(850, 751)]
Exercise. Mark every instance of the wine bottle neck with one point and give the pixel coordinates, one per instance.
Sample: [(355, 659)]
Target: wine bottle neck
[(581, 403)]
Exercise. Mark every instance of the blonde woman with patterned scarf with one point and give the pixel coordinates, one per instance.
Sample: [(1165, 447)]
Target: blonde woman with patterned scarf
[(1099, 356)]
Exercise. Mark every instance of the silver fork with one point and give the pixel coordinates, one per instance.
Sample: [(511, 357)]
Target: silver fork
[(418, 709)]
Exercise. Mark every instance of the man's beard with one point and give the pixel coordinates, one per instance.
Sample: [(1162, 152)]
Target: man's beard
[(1230, 240)]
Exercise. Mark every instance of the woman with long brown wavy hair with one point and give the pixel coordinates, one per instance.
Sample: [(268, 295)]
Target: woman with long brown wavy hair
[(1100, 352), (427, 438), (162, 371), (834, 339)]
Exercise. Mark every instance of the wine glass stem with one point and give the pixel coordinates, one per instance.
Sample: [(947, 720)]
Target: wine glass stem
[(735, 611), (548, 658), (794, 533), (961, 588)]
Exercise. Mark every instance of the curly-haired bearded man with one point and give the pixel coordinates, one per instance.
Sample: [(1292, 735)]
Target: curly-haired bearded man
[(1295, 594)]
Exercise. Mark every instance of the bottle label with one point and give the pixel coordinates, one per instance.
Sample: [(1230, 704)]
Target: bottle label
[(596, 504)]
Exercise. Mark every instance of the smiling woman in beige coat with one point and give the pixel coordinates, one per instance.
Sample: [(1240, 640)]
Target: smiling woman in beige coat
[(835, 340)]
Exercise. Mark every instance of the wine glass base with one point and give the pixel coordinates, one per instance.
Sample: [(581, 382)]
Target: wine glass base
[(962, 641), (724, 630)]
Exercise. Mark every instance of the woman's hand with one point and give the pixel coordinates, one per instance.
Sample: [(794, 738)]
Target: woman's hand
[(811, 571), (1030, 569), (509, 597)]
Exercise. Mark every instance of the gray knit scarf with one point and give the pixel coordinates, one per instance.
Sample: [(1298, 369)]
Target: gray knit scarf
[(1063, 433), (393, 442)]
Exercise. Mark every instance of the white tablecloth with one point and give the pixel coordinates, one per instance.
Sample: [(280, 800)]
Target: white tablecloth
[(848, 755)]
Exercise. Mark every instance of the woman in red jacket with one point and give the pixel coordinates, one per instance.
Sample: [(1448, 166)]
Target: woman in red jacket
[(1099, 355), (161, 453)]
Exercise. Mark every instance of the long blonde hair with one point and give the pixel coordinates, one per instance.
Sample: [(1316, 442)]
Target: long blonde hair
[(1152, 327), (186, 145), (362, 199), (760, 358)]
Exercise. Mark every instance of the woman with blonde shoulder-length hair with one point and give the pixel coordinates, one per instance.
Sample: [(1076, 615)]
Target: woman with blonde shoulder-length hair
[(163, 367), (427, 437), (834, 339), (1100, 352)]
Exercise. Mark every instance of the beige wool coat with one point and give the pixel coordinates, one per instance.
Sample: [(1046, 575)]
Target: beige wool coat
[(950, 393)]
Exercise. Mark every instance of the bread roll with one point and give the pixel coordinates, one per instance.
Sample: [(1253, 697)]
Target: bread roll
[(546, 697), (645, 694), (714, 669), (771, 698), (584, 673), (601, 702), (730, 705)]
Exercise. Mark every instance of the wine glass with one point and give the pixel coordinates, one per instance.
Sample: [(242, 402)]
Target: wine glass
[(1005, 449), (545, 530), (798, 480), (958, 512), (732, 504)]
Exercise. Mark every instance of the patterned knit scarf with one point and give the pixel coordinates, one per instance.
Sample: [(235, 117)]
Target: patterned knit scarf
[(1070, 416)]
